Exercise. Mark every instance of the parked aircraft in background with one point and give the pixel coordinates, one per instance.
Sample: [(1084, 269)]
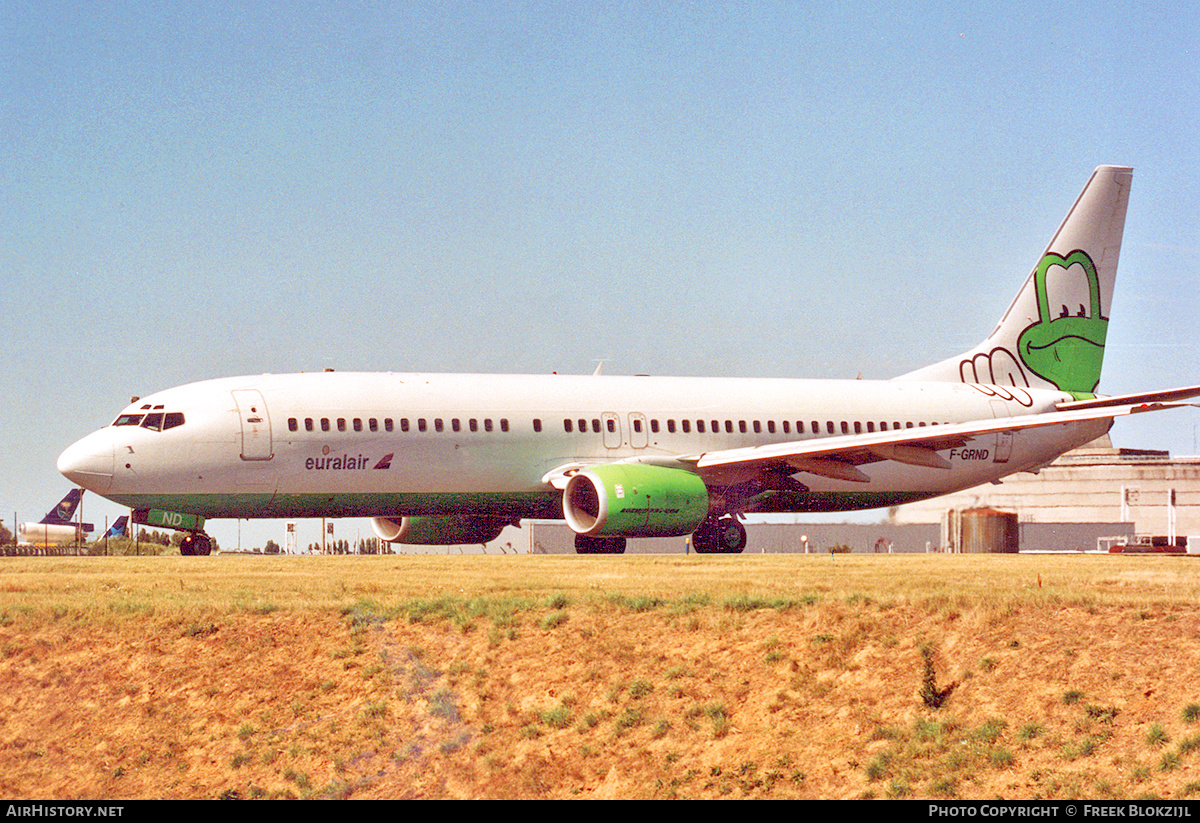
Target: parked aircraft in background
[(57, 526), (118, 528), (452, 458)]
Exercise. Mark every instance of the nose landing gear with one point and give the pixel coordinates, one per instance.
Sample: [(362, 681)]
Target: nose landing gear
[(195, 543)]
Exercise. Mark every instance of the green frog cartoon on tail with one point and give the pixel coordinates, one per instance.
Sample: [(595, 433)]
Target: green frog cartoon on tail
[(1066, 350)]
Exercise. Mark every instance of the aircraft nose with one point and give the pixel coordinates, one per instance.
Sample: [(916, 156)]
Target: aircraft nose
[(88, 463)]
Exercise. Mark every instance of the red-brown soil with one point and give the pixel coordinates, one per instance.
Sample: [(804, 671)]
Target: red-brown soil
[(600, 701)]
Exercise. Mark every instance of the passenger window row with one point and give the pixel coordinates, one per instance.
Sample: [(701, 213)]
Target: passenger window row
[(372, 424), (741, 426), (584, 425)]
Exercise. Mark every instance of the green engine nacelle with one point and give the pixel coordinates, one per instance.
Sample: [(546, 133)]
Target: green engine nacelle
[(438, 531), (635, 500)]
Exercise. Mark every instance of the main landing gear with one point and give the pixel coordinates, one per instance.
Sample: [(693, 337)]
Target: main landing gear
[(724, 535), (195, 543)]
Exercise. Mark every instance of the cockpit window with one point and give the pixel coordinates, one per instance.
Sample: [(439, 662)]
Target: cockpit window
[(155, 421)]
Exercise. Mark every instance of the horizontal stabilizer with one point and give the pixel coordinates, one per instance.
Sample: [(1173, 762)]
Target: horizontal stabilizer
[(1168, 396)]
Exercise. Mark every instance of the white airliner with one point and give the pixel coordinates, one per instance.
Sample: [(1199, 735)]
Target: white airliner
[(58, 526), (454, 458)]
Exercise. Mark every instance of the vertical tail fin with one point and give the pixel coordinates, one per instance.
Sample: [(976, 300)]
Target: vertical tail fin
[(65, 510), (1052, 336)]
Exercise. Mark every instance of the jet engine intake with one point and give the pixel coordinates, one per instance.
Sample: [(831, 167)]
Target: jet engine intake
[(634, 500)]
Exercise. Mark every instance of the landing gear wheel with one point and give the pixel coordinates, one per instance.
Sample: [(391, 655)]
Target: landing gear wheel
[(732, 535), (195, 543), (720, 536), (599, 545), (705, 538)]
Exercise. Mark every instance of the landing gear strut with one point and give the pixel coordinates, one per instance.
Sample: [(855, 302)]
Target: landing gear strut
[(723, 535), (195, 543)]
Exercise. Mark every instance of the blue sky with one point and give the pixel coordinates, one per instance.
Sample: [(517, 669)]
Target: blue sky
[(762, 189)]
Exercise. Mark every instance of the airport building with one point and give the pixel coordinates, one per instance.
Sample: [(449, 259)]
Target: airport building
[(1138, 492)]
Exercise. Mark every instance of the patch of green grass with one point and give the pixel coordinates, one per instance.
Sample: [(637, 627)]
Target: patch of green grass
[(627, 719), (1156, 735), (558, 717), (750, 603), (1031, 731), (639, 689), (637, 603), (552, 620)]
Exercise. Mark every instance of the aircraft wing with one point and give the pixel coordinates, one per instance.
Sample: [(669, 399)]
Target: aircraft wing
[(839, 457)]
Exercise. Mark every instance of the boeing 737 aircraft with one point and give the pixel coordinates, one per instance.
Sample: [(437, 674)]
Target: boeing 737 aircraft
[(454, 458)]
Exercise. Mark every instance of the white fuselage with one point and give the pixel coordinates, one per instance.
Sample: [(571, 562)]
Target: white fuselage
[(386, 445), (49, 534)]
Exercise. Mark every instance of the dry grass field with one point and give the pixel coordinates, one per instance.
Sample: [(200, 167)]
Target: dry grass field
[(776, 676)]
